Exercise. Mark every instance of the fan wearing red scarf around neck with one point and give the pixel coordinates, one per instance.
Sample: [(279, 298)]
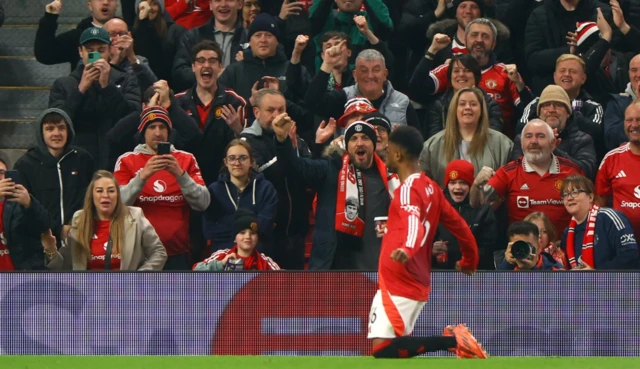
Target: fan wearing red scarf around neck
[(243, 255), (597, 237)]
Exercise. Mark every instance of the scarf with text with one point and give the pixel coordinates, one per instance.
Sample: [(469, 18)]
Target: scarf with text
[(350, 213), (587, 241)]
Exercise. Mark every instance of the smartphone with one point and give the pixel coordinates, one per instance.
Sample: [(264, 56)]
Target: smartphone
[(93, 56), (164, 148), (14, 175)]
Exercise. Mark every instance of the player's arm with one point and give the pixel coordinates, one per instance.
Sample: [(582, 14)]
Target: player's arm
[(413, 229), (454, 222)]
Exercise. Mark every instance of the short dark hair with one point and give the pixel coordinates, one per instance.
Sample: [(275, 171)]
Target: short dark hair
[(335, 34), (206, 45), (409, 138), (53, 117), (468, 62), (522, 228)]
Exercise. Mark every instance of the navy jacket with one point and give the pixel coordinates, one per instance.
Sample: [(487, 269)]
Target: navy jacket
[(22, 229), (614, 246), (260, 197)]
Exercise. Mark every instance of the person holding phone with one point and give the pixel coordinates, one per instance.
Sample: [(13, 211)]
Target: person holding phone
[(95, 95), (166, 183), (22, 220)]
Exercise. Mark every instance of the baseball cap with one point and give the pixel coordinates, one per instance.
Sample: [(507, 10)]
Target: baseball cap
[(95, 34)]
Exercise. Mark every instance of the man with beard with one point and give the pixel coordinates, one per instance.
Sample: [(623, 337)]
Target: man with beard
[(570, 74), (618, 175), (292, 216), (554, 108), (50, 48), (502, 82), (339, 243), (530, 183), (218, 110)]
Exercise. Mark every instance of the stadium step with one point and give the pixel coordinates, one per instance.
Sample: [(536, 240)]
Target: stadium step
[(22, 102), (26, 71), (13, 155), (30, 11), (17, 133), (18, 40)]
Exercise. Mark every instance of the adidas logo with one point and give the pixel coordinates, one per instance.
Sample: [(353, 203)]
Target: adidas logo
[(622, 174), (524, 187)]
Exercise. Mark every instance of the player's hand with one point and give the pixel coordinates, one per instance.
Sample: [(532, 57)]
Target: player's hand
[(465, 271), (483, 176), (400, 256)]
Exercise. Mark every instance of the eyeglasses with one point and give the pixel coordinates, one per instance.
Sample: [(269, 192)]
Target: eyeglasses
[(211, 61), (114, 34), (234, 159), (573, 194), (381, 131)]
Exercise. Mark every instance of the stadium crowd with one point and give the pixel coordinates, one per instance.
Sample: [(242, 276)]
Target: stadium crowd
[(158, 152)]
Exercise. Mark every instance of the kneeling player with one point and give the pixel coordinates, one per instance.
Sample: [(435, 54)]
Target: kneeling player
[(404, 271)]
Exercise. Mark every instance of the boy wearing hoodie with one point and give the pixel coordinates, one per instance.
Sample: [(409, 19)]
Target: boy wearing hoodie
[(54, 171)]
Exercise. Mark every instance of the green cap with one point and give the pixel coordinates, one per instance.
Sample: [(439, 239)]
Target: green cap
[(95, 33)]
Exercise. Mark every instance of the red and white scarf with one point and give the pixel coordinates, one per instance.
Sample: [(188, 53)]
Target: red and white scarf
[(351, 184), (587, 241)]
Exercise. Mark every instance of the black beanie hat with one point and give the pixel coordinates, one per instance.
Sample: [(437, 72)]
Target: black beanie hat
[(480, 4), (378, 119), (360, 127), (264, 22), (244, 219)]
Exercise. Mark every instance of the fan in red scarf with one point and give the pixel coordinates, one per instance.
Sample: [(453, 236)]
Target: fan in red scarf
[(245, 227), (597, 237)]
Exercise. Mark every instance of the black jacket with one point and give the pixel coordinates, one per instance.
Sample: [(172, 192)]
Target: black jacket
[(437, 111), (575, 145), (96, 111), (57, 181), (51, 49), (546, 32), (216, 134), (183, 77), (482, 222), (292, 217), (123, 137), (614, 134), (587, 116), (160, 52), (22, 230)]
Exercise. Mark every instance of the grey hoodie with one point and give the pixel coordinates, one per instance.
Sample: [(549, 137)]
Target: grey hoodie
[(197, 196), (71, 133)]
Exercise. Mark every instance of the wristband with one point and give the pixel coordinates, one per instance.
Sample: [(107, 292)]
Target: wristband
[(430, 55)]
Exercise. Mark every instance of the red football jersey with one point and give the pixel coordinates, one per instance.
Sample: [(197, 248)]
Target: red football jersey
[(161, 198), (5, 259), (99, 244), (618, 177), (190, 14), (526, 191), (418, 206), (495, 82)]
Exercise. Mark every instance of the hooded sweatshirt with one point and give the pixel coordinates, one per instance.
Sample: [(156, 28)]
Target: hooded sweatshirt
[(58, 183), (166, 200)]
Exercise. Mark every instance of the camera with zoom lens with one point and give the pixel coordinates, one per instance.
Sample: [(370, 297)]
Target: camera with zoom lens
[(522, 249)]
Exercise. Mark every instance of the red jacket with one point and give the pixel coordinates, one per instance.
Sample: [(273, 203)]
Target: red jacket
[(191, 15), (256, 261)]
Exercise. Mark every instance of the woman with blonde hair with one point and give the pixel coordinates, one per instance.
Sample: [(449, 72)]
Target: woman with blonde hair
[(548, 240), (106, 234), (466, 136)]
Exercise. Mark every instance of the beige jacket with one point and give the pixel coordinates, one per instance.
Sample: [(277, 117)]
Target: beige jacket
[(495, 155), (142, 249)]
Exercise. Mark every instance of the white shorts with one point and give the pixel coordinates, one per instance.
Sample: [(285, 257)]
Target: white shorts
[(393, 316)]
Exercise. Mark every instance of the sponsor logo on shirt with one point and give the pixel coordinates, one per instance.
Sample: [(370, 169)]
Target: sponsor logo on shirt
[(3, 239), (636, 192), (627, 239), (525, 187), (4, 252), (524, 202), (630, 205), (160, 198), (159, 186)]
